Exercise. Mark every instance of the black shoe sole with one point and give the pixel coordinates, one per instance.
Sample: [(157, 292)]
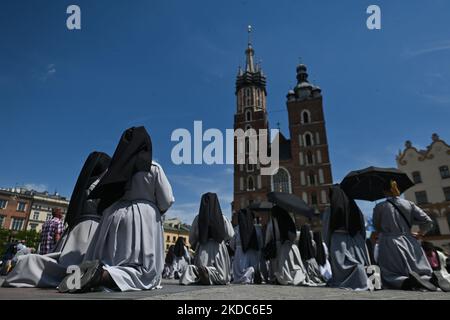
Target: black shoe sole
[(439, 281), (421, 283)]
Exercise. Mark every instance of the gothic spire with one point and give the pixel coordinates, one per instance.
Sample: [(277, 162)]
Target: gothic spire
[(249, 52)]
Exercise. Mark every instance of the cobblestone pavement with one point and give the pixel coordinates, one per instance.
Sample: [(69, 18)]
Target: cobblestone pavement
[(172, 291)]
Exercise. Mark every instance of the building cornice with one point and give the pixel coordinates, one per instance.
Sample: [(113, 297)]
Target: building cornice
[(422, 155)]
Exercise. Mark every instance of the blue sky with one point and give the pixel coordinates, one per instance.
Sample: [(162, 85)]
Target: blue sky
[(164, 64)]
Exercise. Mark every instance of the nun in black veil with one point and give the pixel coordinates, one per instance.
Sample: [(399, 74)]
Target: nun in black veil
[(308, 251), (82, 219), (127, 251), (322, 256), (286, 266), (209, 232), (247, 247), (182, 257), (346, 239), (169, 265)]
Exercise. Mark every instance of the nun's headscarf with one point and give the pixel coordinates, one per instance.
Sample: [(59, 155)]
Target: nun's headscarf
[(79, 206), (170, 255), (210, 219), (179, 247), (285, 222), (133, 154), (247, 230), (305, 243), (344, 213), (321, 257)]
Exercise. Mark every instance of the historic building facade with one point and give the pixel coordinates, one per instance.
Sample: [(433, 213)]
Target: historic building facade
[(430, 171), (174, 228), (23, 209), (42, 207), (305, 168), (15, 205)]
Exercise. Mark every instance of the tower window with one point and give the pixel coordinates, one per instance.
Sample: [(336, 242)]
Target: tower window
[(250, 184), (309, 158), (313, 198), (312, 178), (308, 139), (305, 117), (248, 115), (248, 97), (281, 181)]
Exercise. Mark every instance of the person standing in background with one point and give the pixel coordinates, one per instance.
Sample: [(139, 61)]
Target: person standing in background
[(51, 232)]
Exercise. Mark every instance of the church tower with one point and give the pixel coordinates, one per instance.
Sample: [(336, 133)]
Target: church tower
[(251, 113), (309, 145)]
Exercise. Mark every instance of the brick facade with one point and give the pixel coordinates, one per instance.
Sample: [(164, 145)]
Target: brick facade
[(305, 168)]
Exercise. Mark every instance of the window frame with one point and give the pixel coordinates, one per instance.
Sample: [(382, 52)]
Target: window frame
[(416, 174), (422, 193), (445, 169), (19, 203)]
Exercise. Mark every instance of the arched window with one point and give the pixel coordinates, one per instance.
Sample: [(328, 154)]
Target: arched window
[(248, 94), (248, 115), (314, 198), (250, 183), (258, 97), (281, 181), (312, 178), (308, 139), (309, 158), (306, 117)]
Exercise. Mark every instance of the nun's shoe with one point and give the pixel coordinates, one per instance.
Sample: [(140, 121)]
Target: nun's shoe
[(203, 275), (257, 278), (419, 283), (90, 277), (439, 281)]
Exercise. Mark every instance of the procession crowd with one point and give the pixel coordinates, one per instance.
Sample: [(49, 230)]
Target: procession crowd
[(115, 235)]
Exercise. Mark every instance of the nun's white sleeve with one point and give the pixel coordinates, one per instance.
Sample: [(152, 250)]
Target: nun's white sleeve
[(163, 190), (421, 218), (229, 231), (193, 234)]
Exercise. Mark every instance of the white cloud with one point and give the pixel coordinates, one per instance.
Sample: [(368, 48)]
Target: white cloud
[(48, 72), (192, 187), (36, 187), (440, 46), (185, 211), (437, 98)]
